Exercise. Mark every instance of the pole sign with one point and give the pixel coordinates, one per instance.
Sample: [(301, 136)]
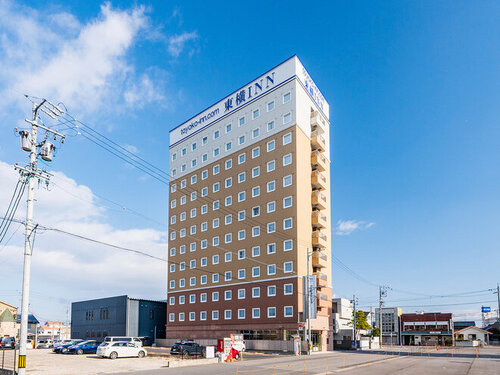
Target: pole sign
[(485, 309), (312, 296)]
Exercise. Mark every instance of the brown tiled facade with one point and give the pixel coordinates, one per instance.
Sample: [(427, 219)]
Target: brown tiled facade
[(242, 225)]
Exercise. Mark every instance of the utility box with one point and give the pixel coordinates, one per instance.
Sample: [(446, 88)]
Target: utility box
[(25, 140), (210, 352), (47, 150)]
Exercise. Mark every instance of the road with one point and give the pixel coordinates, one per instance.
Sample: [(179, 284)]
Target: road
[(417, 362)]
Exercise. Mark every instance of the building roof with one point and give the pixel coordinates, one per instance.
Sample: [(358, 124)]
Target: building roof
[(426, 317), (31, 319), (464, 323), (8, 304), (473, 327), (6, 316)]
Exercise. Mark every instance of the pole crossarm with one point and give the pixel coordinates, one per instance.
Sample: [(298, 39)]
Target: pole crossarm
[(40, 173), (46, 128)]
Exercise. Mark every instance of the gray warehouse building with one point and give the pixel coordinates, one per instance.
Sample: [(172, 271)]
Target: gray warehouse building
[(118, 316)]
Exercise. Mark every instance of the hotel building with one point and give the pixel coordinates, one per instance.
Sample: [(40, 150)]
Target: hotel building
[(249, 200)]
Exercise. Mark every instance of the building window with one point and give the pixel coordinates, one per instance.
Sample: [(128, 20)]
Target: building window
[(270, 106), (256, 292), (228, 182), (287, 180), (288, 289), (255, 231), (203, 315), (241, 177), (215, 223), (271, 186), (256, 313), (288, 311), (228, 219), (241, 140), (192, 281), (271, 166), (215, 315), (255, 191), (181, 317), (204, 209), (171, 317), (228, 238), (228, 257), (216, 134), (228, 128), (203, 279), (192, 298), (241, 215), (255, 152), (255, 172), (241, 313), (204, 243), (287, 245), (287, 118), (216, 169), (288, 267), (271, 227), (182, 283), (255, 133), (271, 206), (241, 158), (182, 300), (182, 266), (192, 316), (256, 271), (215, 260), (215, 241), (271, 248), (215, 296), (228, 164), (241, 254), (229, 146), (271, 290), (286, 97), (241, 121), (203, 262), (216, 152), (270, 126), (287, 138), (171, 301), (203, 297), (227, 314), (255, 251), (228, 275), (204, 175), (241, 293), (241, 234), (172, 284), (241, 196), (241, 274), (216, 187), (271, 269), (287, 202), (287, 223), (271, 145), (287, 159), (271, 312), (227, 295)]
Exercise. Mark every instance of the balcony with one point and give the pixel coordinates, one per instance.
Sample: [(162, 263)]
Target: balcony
[(319, 220), (318, 180), (321, 279), (318, 161), (318, 122), (323, 302), (318, 141), (318, 199), (319, 260), (319, 239)]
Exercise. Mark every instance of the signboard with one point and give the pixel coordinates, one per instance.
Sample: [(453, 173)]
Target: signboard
[(485, 309), (302, 324), (312, 296), (291, 68)]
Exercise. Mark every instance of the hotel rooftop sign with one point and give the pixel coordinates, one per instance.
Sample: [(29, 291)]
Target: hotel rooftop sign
[(286, 71)]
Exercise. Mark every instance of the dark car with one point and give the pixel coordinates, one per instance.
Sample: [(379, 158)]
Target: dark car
[(63, 348), (187, 348), (8, 343), (84, 347)]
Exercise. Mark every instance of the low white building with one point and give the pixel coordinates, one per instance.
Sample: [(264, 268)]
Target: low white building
[(473, 333), (342, 314)]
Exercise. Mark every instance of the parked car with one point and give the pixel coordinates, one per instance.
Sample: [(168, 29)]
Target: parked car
[(84, 347), (63, 348), (8, 343), (44, 344), (187, 348), (117, 349), (135, 340)]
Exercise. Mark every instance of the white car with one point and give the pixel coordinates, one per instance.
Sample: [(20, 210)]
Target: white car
[(114, 350)]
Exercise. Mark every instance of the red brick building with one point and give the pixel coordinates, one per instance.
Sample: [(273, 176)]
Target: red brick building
[(427, 329)]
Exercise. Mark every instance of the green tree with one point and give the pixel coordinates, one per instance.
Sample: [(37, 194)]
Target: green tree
[(361, 323), (375, 332)]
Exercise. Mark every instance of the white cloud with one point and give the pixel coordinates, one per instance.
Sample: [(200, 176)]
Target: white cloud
[(61, 262), (84, 65), (346, 227), (177, 43)]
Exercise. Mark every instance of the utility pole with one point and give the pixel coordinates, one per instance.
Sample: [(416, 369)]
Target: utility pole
[(354, 320), (498, 299), (382, 292), (29, 142)]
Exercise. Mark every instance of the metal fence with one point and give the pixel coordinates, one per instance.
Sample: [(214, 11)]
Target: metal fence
[(8, 358)]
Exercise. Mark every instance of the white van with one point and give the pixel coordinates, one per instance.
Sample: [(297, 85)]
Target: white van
[(136, 340)]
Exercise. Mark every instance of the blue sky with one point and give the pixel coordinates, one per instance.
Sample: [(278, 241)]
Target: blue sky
[(413, 92)]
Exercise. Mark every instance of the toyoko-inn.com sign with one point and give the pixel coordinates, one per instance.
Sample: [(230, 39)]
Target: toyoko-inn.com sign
[(284, 72)]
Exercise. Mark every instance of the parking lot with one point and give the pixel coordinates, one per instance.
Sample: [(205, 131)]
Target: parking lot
[(407, 361)]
